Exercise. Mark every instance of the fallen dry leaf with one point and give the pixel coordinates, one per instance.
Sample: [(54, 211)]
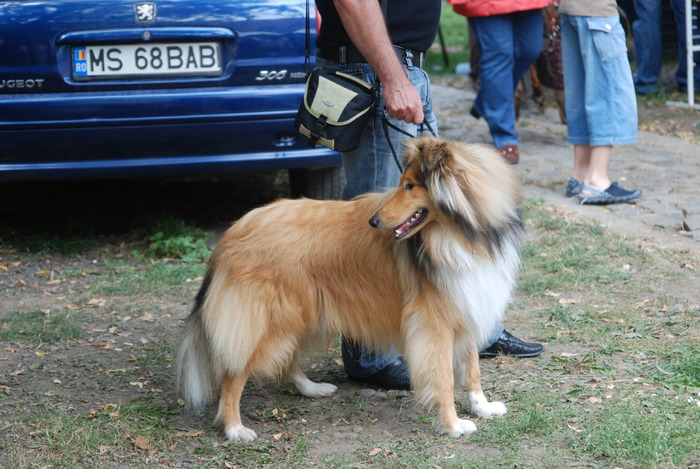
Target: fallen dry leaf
[(569, 301), (140, 442)]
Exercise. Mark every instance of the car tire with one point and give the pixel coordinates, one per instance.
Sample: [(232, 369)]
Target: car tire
[(317, 183)]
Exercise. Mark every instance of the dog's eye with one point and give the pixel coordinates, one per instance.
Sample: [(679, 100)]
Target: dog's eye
[(409, 186)]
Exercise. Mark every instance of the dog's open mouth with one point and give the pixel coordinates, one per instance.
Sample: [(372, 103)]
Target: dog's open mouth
[(414, 220)]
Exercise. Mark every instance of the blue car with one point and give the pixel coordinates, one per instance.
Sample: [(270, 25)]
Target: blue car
[(117, 88)]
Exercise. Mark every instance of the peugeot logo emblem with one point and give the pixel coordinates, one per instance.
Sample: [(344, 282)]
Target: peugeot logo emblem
[(145, 12)]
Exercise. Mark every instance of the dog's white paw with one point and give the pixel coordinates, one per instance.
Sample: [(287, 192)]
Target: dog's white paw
[(310, 389), (483, 408), (462, 427), (240, 433)]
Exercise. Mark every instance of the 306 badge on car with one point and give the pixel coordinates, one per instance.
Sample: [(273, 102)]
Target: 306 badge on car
[(121, 60)]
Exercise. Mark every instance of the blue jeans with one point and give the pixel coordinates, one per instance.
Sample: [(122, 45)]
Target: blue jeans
[(508, 45), (601, 107), (646, 30), (647, 41)]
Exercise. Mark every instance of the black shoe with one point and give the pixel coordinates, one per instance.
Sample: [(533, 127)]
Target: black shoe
[(507, 344), (393, 376)]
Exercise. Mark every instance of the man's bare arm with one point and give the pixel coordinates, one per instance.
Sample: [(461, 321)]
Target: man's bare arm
[(364, 23)]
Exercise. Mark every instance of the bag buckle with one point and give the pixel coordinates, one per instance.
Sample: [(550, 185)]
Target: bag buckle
[(315, 133)]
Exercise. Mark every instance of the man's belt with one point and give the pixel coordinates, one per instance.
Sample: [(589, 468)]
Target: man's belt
[(350, 54)]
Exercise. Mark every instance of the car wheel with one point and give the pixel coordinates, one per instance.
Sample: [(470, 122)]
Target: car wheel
[(317, 183)]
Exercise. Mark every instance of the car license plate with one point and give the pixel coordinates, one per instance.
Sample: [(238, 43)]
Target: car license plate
[(133, 60)]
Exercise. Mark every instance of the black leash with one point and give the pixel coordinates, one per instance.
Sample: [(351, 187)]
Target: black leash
[(386, 124)]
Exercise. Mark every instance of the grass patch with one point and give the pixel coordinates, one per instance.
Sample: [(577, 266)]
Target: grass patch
[(159, 277), (128, 431), (453, 28), (660, 433), (51, 243), (573, 254), (38, 327), (679, 367)]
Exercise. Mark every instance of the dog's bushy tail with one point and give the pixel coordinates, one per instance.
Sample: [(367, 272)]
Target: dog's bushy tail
[(195, 377)]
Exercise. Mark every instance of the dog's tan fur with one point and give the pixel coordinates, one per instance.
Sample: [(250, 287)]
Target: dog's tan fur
[(296, 272)]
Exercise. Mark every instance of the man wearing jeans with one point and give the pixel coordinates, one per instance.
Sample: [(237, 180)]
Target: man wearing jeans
[(384, 43), (646, 30)]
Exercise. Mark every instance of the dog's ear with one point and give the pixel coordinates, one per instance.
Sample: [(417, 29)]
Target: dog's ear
[(436, 155)]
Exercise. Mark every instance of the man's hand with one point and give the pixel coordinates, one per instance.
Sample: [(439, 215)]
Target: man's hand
[(404, 102)]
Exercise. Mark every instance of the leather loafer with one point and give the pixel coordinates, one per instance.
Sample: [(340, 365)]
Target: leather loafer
[(393, 376), (507, 344), (510, 153)]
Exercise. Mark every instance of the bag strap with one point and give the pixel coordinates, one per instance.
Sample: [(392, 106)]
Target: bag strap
[(553, 19), (307, 57)]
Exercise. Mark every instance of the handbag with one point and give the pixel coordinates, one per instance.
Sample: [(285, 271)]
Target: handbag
[(549, 66), (335, 109)]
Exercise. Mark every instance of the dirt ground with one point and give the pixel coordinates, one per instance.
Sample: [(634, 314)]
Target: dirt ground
[(114, 362)]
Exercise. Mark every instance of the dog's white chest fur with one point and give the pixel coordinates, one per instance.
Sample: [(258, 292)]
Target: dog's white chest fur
[(481, 289)]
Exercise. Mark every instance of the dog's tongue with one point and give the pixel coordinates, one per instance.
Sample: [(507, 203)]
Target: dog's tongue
[(398, 232)]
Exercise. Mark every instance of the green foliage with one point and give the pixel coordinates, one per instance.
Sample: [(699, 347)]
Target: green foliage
[(173, 238)]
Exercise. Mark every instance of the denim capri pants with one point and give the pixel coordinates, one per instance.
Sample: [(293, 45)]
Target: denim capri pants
[(601, 106)]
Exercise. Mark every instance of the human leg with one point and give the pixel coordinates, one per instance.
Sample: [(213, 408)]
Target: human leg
[(646, 30), (600, 101), (591, 165), (527, 44), (678, 7), (371, 167), (495, 99)]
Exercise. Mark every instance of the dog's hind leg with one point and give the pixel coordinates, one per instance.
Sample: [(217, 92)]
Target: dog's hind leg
[(480, 406), (307, 387), (230, 408)]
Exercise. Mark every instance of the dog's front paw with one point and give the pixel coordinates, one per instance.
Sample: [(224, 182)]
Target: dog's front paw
[(310, 389), (318, 389), (461, 427), (483, 408), (240, 433)]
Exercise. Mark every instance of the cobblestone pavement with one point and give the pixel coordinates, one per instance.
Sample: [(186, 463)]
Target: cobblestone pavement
[(666, 169)]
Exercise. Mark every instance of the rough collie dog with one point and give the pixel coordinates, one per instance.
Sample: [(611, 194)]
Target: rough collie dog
[(428, 267)]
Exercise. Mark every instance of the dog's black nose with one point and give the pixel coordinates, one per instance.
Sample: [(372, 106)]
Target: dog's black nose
[(374, 221)]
